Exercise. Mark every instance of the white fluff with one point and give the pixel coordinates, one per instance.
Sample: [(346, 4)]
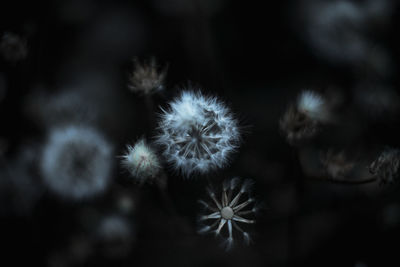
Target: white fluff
[(312, 105), (197, 133), (141, 161)]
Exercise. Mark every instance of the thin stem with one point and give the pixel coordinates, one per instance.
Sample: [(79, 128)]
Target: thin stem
[(162, 186), (344, 181)]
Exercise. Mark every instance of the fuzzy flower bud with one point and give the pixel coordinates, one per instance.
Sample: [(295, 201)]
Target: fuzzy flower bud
[(235, 202), (147, 78), (198, 133), (141, 161), (387, 166)]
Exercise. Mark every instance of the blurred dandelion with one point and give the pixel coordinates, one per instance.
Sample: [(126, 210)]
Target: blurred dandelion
[(76, 162), (302, 121), (229, 211), (147, 78), (20, 188), (336, 29), (198, 133), (313, 105), (378, 101), (114, 235), (386, 167), (62, 108), (141, 161), (13, 47), (339, 30)]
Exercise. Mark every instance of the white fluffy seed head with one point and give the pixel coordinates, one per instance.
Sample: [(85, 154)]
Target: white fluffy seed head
[(198, 133), (76, 162), (312, 105), (141, 161)]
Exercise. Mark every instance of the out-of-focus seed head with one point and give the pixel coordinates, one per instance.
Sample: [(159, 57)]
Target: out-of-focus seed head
[(76, 162), (13, 47), (387, 166), (335, 29), (229, 210), (302, 120), (312, 105), (147, 78), (297, 126), (141, 161), (197, 133), (115, 235)]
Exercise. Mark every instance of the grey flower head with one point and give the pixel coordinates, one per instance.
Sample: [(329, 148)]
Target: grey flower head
[(76, 162), (229, 210), (198, 133), (387, 166), (147, 78)]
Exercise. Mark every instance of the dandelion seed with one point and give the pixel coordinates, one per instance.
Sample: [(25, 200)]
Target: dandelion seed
[(198, 133), (230, 210), (141, 161), (76, 162)]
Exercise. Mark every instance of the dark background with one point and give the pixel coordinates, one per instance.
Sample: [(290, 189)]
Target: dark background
[(255, 56)]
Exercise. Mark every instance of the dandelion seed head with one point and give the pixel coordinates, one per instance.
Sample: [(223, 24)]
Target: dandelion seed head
[(313, 105), (76, 162), (296, 126), (13, 47), (302, 120), (115, 235), (141, 161), (198, 133), (387, 166), (228, 213)]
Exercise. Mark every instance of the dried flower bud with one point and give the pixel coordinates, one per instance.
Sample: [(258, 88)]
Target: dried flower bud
[(386, 166), (147, 78), (13, 47), (141, 161)]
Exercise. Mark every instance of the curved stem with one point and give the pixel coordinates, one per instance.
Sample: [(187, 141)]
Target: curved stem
[(345, 181)]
